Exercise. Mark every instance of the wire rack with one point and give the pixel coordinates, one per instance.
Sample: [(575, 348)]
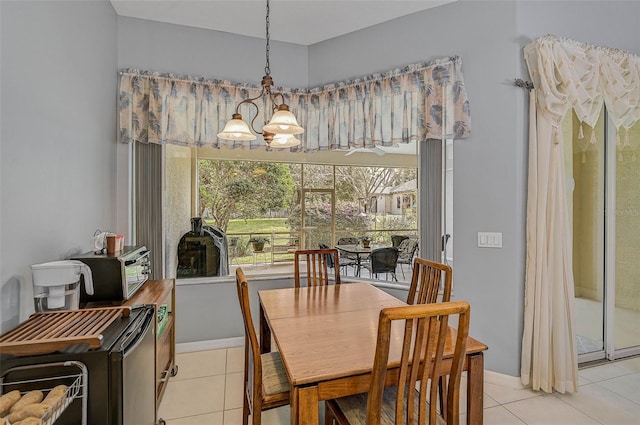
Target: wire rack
[(77, 388)]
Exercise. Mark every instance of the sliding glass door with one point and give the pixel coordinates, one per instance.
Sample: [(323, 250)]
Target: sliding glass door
[(625, 297), (603, 188)]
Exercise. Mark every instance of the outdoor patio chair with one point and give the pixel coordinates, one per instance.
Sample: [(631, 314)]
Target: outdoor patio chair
[(347, 260), (407, 249), (383, 260), (396, 239)]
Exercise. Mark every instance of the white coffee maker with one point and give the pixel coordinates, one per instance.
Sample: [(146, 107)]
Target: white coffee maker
[(56, 285)]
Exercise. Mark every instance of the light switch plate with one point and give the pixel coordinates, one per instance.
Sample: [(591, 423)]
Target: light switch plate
[(489, 240)]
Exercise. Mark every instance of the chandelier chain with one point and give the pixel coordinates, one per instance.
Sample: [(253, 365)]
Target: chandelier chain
[(267, 68)]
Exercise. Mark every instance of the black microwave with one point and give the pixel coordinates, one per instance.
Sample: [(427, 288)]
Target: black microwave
[(116, 277)]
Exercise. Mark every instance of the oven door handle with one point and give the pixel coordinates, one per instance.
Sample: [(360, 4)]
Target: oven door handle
[(134, 337)]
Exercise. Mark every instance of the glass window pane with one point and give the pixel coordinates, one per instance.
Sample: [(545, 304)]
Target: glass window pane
[(318, 176), (585, 183), (627, 298)]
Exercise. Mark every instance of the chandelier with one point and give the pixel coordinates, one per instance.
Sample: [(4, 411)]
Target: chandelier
[(280, 130)]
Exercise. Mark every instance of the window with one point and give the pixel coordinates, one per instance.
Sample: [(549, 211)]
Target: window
[(291, 204)]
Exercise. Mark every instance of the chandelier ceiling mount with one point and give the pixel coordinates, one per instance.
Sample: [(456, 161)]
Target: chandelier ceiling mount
[(282, 125)]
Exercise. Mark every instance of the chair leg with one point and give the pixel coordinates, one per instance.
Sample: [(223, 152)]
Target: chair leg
[(245, 409), (402, 269), (328, 415), (442, 393)]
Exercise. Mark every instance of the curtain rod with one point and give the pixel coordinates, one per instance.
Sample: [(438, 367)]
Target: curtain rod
[(524, 84)]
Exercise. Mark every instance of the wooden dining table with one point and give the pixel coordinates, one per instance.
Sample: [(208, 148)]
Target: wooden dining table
[(327, 335)]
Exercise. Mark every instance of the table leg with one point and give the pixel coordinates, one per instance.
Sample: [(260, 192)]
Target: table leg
[(265, 333), (304, 405), (475, 388)]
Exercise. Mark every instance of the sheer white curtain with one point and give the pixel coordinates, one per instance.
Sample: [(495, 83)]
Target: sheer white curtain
[(566, 74)]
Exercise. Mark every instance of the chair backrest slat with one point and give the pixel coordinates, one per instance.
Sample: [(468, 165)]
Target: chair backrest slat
[(426, 280), (318, 262)]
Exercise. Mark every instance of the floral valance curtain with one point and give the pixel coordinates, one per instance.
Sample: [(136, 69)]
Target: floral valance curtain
[(566, 74), (416, 102)]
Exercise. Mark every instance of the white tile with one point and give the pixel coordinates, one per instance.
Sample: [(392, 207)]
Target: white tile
[(630, 365), (200, 363), (582, 380), (208, 419), (488, 401), (497, 415), (627, 386), (235, 359), (506, 394), (278, 416), (233, 390), (233, 417), (603, 405), (190, 397), (601, 373), (547, 410)]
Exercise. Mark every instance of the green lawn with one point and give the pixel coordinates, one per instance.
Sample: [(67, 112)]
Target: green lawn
[(259, 225)]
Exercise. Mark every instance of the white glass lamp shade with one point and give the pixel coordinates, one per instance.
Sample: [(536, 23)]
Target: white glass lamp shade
[(283, 122), (281, 141), (236, 129)]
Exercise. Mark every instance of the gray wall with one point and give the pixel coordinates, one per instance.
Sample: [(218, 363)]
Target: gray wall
[(609, 23), (57, 139), (489, 168), (163, 47)]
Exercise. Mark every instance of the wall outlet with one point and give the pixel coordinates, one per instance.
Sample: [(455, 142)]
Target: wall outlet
[(489, 240)]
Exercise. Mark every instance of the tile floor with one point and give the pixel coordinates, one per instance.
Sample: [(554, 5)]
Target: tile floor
[(208, 391)]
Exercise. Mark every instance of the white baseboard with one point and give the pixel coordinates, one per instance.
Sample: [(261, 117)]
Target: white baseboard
[(503, 380), (212, 344)]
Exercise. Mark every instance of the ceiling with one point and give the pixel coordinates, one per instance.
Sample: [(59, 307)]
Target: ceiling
[(294, 21)]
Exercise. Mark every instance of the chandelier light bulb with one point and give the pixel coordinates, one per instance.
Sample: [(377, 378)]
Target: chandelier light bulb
[(281, 141), (283, 122)]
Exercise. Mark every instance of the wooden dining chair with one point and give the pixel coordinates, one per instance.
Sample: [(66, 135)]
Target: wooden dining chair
[(425, 285), (318, 266), (426, 281), (425, 332), (265, 379)]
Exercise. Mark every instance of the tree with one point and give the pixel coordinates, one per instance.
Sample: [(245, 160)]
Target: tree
[(242, 189), (361, 183)]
